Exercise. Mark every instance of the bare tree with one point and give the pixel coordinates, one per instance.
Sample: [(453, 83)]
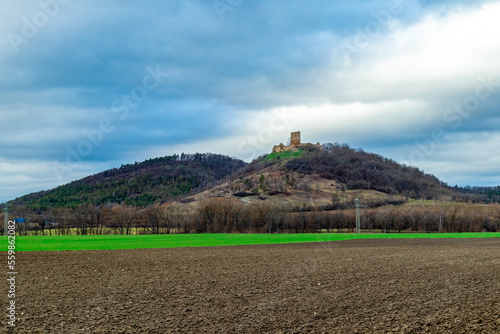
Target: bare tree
[(84, 218), (411, 215), (444, 203), (123, 218)]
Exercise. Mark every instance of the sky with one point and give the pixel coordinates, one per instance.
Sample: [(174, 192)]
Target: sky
[(89, 85)]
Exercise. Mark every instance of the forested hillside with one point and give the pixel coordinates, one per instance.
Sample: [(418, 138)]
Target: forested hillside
[(355, 169), (486, 194), (139, 184), (358, 169)]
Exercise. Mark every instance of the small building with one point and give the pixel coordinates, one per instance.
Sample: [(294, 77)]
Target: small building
[(295, 143)]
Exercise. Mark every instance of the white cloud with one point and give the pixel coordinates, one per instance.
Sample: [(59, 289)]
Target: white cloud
[(463, 158), (434, 58)]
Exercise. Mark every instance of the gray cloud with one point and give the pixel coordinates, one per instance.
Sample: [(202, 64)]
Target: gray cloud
[(62, 81)]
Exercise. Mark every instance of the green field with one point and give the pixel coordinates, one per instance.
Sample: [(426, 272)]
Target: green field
[(101, 242)]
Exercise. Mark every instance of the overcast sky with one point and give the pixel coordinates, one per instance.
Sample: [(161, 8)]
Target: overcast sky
[(89, 85)]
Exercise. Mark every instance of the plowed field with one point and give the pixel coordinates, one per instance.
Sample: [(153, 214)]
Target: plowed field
[(359, 286)]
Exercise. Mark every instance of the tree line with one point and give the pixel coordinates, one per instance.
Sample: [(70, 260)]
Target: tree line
[(225, 215)]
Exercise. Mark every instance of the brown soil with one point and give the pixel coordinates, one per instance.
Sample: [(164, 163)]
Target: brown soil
[(363, 286)]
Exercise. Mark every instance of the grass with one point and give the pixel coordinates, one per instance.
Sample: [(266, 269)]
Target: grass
[(102, 242), (284, 155)]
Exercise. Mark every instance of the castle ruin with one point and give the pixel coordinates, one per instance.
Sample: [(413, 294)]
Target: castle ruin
[(295, 144), (295, 139)]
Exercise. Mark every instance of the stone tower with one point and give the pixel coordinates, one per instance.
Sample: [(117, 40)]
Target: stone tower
[(295, 139)]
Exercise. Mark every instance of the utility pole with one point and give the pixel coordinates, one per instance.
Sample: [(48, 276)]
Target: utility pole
[(358, 220), (6, 220)]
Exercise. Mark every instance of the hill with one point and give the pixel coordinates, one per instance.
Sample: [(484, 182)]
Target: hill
[(311, 189), (332, 168), (310, 176), (325, 179), (139, 184)]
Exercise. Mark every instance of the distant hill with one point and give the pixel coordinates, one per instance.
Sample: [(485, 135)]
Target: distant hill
[(328, 177), (139, 184), (320, 177)]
